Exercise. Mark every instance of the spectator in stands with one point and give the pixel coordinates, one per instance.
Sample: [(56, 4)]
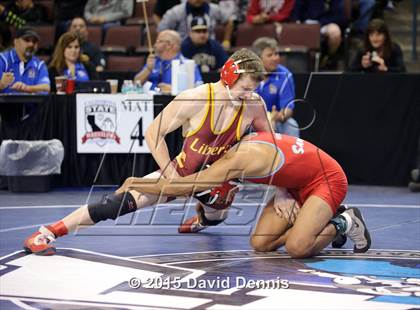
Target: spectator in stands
[(108, 13), (365, 10), (157, 69), (67, 60), (161, 6), (382, 5), (21, 71), (235, 8), (33, 13), (278, 87), (96, 57), (262, 12), (207, 53), (379, 54), (330, 14), (64, 12), (7, 19), (11, 18), (180, 16)]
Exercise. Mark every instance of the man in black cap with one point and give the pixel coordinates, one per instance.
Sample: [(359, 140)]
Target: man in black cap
[(20, 70), (207, 53)]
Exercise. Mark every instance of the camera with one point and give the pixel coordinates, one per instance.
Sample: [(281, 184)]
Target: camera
[(373, 57)]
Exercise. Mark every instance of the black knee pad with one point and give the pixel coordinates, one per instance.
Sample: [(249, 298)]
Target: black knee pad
[(112, 206)]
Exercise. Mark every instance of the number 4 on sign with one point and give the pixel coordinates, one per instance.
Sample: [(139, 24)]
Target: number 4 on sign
[(137, 133)]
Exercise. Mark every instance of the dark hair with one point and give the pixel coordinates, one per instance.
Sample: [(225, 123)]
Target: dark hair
[(378, 25), (77, 17)]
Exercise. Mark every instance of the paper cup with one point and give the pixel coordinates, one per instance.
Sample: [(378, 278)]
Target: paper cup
[(114, 86), (60, 84)]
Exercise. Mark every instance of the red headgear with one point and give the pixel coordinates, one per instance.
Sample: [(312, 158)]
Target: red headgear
[(230, 71)]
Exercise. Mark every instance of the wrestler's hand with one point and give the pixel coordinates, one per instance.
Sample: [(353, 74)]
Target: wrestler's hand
[(219, 197), (287, 208), (125, 186), (170, 172)]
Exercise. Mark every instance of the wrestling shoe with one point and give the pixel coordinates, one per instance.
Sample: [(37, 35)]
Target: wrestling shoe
[(340, 239), (191, 225), (39, 243), (200, 221), (357, 230)]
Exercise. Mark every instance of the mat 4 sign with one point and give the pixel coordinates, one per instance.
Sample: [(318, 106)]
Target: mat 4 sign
[(113, 123)]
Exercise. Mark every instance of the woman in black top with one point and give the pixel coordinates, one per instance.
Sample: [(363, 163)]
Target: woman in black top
[(380, 54)]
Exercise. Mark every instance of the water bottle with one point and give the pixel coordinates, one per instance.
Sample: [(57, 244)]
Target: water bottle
[(127, 87), (124, 87), (138, 87)]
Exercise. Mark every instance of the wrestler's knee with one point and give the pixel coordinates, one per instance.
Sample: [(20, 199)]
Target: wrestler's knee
[(298, 247), (111, 206), (261, 243)]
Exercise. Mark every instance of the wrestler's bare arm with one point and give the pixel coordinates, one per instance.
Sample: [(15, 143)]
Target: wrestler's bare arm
[(259, 110), (239, 162), (176, 114)]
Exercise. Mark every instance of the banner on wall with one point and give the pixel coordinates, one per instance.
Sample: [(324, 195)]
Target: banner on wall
[(113, 123)]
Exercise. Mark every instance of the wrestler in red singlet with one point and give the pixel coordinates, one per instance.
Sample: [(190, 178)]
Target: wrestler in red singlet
[(303, 169), (204, 145)]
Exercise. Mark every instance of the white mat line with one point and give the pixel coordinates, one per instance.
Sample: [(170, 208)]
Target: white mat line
[(362, 205), (41, 207), (21, 304), (80, 205), (237, 251), (21, 227), (95, 305)]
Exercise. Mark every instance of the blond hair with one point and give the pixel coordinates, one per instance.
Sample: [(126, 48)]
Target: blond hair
[(250, 62)]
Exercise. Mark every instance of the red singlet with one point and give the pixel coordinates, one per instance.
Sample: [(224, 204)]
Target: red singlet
[(303, 169)]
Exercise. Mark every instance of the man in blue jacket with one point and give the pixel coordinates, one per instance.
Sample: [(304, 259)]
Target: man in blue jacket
[(157, 69), (278, 88), (20, 70)]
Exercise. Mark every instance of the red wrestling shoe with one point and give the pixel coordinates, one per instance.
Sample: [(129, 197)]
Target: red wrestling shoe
[(192, 225), (39, 243)]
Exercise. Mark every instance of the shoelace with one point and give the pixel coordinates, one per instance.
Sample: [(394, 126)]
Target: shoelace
[(45, 236), (357, 236)]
